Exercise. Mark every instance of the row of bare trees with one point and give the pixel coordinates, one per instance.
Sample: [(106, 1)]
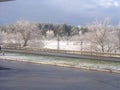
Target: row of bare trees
[(100, 35), (25, 31)]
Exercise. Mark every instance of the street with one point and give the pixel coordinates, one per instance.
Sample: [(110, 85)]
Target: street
[(28, 76)]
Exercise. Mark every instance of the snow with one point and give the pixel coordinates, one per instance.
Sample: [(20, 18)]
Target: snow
[(61, 61), (71, 45)]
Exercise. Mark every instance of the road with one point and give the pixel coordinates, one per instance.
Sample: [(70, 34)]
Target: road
[(28, 76)]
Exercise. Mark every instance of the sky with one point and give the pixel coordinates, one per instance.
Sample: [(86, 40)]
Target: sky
[(75, 12)]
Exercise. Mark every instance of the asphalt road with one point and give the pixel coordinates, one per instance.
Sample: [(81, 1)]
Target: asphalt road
[(28, 76)]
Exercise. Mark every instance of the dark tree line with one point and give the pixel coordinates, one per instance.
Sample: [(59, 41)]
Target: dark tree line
[(61, 29)]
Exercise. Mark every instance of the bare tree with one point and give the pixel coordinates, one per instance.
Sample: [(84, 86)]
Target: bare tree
[(58, 31), (82, 38), (2, 36), (102, 41), (118, 36), (67, 39), (27, 30)]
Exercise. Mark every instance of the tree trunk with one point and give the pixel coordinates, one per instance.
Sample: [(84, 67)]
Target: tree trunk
[(25, 43), (102, 49)]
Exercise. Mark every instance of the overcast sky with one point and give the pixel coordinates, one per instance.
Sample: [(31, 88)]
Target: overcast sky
[(60, 11)]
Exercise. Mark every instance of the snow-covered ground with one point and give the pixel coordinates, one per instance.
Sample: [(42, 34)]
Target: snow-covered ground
[(64, 45), (52, 44), (62, 61)]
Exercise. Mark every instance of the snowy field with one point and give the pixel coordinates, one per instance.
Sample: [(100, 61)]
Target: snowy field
[(64, 45)]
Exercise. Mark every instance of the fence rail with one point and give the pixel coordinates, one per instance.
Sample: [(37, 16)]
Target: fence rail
[(67, 51)]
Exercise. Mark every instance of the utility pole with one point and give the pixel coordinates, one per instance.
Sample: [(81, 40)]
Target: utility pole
[(58, 41), (81, 46)]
